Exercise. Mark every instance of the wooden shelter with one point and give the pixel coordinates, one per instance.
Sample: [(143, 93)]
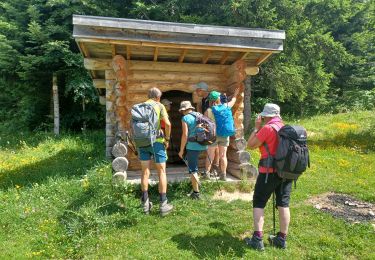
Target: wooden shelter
[(127, 57)]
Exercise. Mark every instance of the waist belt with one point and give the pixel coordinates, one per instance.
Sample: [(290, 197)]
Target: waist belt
[(268, 162)]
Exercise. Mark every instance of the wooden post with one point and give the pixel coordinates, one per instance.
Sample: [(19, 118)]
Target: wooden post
[(56, 111), (247, 105)]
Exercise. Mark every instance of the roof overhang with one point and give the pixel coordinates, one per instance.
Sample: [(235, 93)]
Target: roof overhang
[(103, 38)]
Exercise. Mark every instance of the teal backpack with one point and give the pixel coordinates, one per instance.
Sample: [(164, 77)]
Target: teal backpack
[(224, 120)]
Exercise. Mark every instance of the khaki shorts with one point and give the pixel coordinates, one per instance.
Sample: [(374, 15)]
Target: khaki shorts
[(221, 141)]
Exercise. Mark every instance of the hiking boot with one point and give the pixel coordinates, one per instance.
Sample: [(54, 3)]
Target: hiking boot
[(205, 175), (195, 195), (147, 205), (223, 176), (255, 242), (277, 241), (165, 208)]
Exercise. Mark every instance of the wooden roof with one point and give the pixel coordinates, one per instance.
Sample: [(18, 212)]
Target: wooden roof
[(103, 38)]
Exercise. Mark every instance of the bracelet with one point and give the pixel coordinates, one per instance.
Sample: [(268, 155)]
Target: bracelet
[(255, 130)]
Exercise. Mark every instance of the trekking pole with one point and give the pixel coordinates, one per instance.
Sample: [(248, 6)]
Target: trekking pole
[(217, 182), (273, 207)]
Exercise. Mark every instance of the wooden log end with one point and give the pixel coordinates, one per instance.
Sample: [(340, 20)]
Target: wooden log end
[(119, 150), (120, 164), (119, 177)]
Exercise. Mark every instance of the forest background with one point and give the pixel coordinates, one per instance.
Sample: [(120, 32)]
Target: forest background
[(327, 64)]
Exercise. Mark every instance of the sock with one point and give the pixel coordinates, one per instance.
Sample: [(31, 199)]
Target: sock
[(196, 192), (144, 195), (258, 234), (163, 197), (282, 235)]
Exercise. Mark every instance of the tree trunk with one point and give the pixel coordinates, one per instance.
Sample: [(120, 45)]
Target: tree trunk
[(56, 111), (247, 105)]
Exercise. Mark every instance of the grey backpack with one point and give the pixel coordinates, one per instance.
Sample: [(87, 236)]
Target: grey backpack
[(144, 123)]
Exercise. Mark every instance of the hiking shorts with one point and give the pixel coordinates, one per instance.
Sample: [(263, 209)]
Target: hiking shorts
[(157, 151), (192, 157), (221, 141), (263, 191)]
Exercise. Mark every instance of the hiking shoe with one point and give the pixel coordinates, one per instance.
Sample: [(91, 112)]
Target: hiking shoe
[(277, 241), (165, 208), (147, 205), (223, 177), (255, 242), (205, 175), (195, 195)]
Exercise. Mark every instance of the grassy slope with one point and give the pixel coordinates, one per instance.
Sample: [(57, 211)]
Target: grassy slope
[(57, 201)]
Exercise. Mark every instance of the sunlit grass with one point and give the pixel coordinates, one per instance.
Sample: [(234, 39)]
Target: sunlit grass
[(58, 201)]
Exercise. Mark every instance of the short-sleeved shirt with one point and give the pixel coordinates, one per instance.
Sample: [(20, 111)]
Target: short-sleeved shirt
[(191, 123), (161, 111), (269, 136)]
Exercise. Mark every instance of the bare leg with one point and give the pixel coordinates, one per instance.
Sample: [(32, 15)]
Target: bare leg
[(160, 167), (210, 157), (258, 215), (284, 218), (145, 175), (223, 159), (217, 156), (194, 182)]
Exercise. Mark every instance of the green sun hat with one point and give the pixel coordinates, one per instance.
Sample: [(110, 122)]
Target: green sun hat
[(214, 95)]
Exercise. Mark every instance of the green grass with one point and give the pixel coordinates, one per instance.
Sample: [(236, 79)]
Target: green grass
[(57, 201)]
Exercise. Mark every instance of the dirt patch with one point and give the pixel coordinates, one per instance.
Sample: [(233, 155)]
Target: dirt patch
[(231, 196), (345, 207)]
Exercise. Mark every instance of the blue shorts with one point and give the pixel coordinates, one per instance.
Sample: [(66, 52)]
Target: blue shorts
[(157, 151), (192, 157)]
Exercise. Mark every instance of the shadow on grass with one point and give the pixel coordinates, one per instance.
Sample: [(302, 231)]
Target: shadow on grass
[(211, 246), (363, 140), (66, 163)]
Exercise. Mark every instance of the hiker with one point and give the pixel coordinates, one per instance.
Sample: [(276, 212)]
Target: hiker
[(201, 89), (193, 149), (268, 180), (221, 114), (157, 151)]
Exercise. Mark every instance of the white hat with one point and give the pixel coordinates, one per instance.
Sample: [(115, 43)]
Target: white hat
[(185, 105), (270, 110)]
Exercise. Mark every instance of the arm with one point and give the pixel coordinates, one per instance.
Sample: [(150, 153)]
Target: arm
[(183, 139), (253, 141), (234, 98), (168, 127)]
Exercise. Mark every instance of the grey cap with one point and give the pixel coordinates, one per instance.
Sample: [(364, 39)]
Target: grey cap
[(201, 85), (185, 105), (270, 110), (166, 102)]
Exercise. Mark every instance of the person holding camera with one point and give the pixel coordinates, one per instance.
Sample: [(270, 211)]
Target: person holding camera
[(265, 138)]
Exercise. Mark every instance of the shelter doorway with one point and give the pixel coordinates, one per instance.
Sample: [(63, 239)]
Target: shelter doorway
[(175, 96)]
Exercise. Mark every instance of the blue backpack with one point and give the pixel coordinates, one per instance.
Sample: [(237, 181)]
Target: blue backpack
[(224, 120)]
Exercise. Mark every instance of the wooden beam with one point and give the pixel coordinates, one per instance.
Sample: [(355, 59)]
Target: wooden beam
[(119, 67), (140, 75), (156, 51), (99, 83), (172, 45), (224, 57), (262, 58), (143, 87), (182, 55), (113, 49), (251, 71), (85, 52), (105, 64), (97, 64), (128, 52), (206, 57), (242, 56)]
